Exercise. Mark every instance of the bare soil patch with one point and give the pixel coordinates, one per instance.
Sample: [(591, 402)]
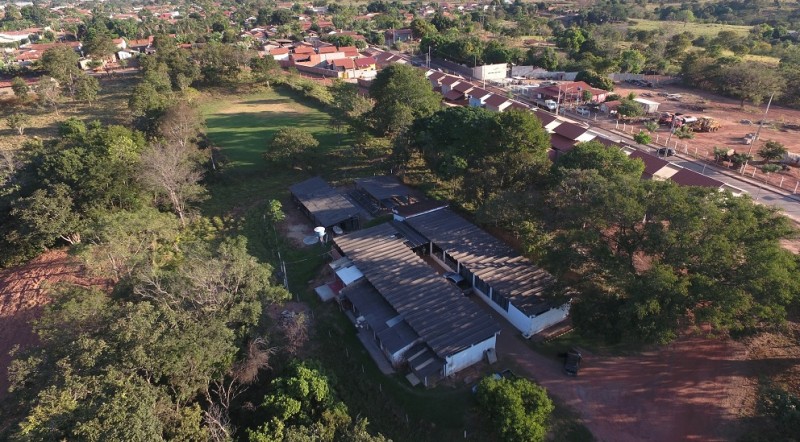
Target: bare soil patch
[(295, 226), (23, 294)]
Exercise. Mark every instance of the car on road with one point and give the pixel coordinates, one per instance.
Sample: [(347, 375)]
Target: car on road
[(583, 111), (666, 152), (458, 281), (572, 362)]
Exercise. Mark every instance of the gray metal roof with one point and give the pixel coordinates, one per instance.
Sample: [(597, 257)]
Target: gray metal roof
[(446, 320), (393, 332), (506, 271), (326, 204), (383, 187)]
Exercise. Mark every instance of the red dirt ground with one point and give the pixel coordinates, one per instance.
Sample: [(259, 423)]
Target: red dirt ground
[(23, 294)]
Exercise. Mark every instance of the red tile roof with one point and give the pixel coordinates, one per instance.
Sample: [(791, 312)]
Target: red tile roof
[(450, 80), (279, 51), (364, 62), (303, 50), (686, 177), (652, 164), (496, 100), (463, 86), (327, 49), (346, 63), (570, 130), (479, 93)]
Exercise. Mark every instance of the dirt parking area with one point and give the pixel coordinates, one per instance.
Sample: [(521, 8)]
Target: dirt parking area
[(695, 389), (729, 113), (23, 295)]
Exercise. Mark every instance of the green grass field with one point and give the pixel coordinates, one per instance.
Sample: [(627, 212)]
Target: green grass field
[(698, 29)]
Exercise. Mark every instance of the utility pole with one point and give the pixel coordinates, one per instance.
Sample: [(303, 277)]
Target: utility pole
[(761, 124), (758, 132)]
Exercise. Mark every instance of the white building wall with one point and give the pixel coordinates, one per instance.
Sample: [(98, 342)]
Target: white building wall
[(469, 356), (514, 316), (548, 318)]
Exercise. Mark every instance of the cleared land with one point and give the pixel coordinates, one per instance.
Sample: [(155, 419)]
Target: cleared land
[(23, 295), (111, 107), (698, 29)]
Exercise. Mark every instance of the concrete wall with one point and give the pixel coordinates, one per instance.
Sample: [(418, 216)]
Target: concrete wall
[(490, 71), (469, 356)]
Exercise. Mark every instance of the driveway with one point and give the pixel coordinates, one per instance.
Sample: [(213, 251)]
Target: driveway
[(693, 389)]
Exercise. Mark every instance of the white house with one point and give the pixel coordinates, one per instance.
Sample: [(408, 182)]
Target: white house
[(478, 97)]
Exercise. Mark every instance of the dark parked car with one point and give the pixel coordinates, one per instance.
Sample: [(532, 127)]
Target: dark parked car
[(459, 282), (572, 362), (666, 152)]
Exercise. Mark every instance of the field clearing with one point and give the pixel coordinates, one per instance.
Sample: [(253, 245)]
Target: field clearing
[(111, 107), (698, 29)]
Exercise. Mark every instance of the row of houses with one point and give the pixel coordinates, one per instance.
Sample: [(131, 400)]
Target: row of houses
[(327, 60), (564, 134)]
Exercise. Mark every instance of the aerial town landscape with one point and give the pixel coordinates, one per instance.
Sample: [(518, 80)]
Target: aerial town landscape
[(364, 220)]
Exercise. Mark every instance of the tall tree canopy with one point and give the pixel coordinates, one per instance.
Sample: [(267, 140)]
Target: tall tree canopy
[(401, 94), (654, 256)]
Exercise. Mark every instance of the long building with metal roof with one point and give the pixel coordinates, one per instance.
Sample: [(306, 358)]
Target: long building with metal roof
[(454, 333), (507, 281)]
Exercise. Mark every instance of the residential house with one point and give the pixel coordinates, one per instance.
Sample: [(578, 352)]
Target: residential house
[(497, 103), (279, 53), (478, 97), (655, 168), (448, 82)]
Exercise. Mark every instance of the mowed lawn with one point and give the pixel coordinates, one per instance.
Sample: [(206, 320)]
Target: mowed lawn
[(244, 125)]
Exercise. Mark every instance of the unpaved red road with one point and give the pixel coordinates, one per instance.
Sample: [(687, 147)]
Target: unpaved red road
[(691, 390), (23, 294)]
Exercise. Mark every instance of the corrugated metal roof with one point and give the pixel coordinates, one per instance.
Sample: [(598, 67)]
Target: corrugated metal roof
[(507, 272), (326, 204), (383, 187), (446, 320), (393, 332)]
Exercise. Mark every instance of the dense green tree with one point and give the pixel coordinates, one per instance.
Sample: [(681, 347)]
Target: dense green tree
[(86, 88), (20, 88), (45, 217), (654, 256), (752, 81), (630, 108), (642, 138), (594, 79), (772, 151), (61, 63), (422, 28), (632, 61), (594, 155), (519, 410), (289, 143), (18, 122), (401, 95)]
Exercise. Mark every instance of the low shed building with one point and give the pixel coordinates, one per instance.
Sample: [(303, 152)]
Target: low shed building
[(509, 283), (416, 316), (325, 205)]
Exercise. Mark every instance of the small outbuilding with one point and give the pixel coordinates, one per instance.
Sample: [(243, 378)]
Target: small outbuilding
[(649, 106), (324, 205)]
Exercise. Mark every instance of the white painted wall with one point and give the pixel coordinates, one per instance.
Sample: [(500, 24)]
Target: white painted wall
[(548, 318), (469, 356)]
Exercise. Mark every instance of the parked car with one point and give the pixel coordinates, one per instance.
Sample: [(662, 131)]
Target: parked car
[(666, 152), (583, 111), (572, 362), (459, 281)]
